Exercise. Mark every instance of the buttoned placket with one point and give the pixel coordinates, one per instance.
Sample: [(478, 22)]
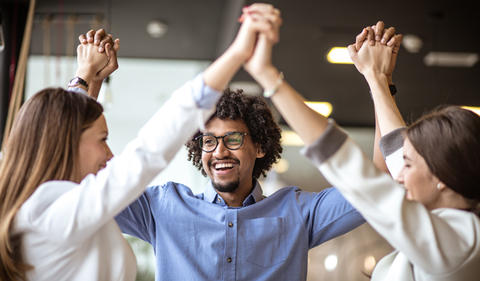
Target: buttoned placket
[(231, 231)]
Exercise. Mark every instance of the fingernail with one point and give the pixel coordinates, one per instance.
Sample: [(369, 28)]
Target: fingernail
[(241, 18), (100, 49), (383, 41)]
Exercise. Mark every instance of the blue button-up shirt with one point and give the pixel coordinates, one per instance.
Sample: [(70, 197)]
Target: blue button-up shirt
[(198, 237)]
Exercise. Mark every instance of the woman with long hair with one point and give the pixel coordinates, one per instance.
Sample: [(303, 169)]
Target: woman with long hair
[(430, 213), (58, 195)]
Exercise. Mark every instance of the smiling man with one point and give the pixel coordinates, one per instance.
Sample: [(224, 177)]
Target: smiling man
[(231, 231)]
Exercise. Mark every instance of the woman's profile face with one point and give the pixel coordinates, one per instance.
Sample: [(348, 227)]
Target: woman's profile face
[(93, 148), (419, 182)]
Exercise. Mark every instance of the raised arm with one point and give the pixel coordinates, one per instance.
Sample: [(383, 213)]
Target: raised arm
[(378, 34), (105, 44), (374, 62), (307, 123)]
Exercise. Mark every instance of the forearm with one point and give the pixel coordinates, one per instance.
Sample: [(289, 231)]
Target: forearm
[(378, 157), (388, 115), (94, 89), (221, 71), (308, 124)]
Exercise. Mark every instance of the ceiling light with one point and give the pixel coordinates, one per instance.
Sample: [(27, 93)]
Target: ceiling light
[(449, 59), (156, 28), (473, 108), (324, 108), (339, 55), (412, 43), (330, 262)]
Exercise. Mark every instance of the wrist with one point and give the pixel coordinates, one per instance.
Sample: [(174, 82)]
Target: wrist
[(236, 55), (85, 74), (371, 76), (267, 77), (78, 82), (390, 79)]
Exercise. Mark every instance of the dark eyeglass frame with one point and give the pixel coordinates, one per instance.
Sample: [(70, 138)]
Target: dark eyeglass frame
[(199, 139)]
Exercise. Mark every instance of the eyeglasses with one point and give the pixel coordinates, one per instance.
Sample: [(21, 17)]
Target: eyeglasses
[(231, 140)]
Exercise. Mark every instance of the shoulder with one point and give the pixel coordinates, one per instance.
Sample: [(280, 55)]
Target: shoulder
[(170, 188), (462, 220), (43, 197)]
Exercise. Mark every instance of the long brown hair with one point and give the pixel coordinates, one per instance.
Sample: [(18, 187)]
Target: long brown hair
[(42, 146), (449, 141)]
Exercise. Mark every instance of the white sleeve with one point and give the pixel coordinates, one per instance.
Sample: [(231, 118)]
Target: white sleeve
[(436, 241), (391, 146), (81, 211)]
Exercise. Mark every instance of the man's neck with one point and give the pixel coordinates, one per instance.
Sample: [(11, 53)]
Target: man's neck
[(236, 198)]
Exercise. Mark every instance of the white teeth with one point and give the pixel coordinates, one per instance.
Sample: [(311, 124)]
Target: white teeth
[(223, 165)]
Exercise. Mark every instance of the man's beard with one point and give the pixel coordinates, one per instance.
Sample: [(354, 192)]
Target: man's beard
[(227, 187)]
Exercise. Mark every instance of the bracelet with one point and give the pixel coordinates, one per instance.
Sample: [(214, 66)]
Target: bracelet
[(393, 89), (271, 92), (78, 81)]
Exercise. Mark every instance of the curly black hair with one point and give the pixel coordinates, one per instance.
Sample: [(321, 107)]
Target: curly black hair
[(252, 110)]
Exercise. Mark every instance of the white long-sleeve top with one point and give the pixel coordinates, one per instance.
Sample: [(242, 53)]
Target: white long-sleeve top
[(439, 245), (69, 231)]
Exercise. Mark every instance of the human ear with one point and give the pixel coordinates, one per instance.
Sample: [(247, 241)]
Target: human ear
[(260, 152)]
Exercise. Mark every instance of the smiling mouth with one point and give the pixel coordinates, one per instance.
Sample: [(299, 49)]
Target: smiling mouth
[(223, 166)]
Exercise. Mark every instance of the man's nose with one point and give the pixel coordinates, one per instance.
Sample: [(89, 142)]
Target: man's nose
[(221, 150)]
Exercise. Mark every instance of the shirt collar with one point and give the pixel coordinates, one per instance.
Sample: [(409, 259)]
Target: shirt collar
[(211, 195)]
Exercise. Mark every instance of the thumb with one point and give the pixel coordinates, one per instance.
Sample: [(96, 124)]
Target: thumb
[(352, 51), (111, 66), (116, 45)]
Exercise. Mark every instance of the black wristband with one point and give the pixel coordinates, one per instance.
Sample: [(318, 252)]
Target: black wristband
[(78, 81), (393, 89)]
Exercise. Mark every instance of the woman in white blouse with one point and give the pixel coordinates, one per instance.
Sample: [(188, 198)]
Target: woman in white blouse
[(429, 215), (58, 195)]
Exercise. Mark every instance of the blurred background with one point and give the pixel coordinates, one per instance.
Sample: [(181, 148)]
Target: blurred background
[(165, 43)]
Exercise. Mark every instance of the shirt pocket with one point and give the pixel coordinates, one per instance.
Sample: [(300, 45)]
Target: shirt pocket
[(264, 241)]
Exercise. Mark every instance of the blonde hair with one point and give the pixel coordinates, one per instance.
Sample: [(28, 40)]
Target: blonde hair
[(42, 146)]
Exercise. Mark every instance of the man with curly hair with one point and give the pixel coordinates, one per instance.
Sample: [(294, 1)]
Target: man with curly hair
[(247, 122), (231, 231)]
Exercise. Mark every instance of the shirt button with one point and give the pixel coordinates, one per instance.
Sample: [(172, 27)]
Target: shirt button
[(229, 259), (230, 224)]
